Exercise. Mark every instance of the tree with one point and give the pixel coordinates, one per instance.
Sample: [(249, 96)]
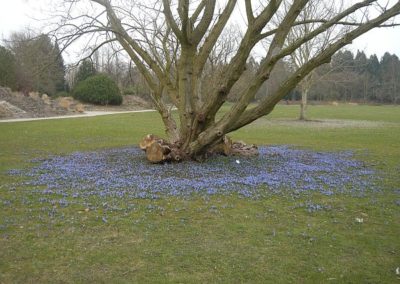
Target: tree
[(86, 69), (40, 66), (344, 75), (373, 70), (170, 43), (389, 75), (7, 68), (312, 10), (360, 68)]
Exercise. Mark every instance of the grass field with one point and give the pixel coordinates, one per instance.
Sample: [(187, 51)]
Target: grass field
[(216, 238)]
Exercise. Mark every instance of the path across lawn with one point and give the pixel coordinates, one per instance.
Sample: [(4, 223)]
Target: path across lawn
[(85, 114)]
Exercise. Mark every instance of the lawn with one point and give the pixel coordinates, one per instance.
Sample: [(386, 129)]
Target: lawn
[(273, 237)]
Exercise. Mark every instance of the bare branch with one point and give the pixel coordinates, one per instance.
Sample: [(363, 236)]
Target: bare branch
[(249, 12), (171, 21), (205, 22)]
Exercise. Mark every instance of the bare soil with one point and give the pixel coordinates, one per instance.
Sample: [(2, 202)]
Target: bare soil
[(19, 105)]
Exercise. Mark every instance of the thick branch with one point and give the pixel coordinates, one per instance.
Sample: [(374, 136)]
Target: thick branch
[(269, 102), (138, 51), (171, 21), (205, 22), (197, 12), (249, 12), (276, 44), (183, 10), (285, 27), (238, 62), (213, 36)]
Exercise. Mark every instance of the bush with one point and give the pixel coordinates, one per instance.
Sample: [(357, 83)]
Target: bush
[(86, 70), (98, 89), (129, 91)]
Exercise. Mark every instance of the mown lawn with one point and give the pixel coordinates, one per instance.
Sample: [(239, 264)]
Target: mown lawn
[(215, 238)]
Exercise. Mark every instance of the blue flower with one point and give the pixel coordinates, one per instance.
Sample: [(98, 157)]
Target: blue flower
[(124, 173)]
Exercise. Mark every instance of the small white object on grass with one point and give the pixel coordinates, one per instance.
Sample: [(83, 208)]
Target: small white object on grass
[(398, 271), (359, 220), (237, 162)]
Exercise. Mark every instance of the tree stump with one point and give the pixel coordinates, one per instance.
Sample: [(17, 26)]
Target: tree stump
[(147, 141), (159, 150), (240, 148)]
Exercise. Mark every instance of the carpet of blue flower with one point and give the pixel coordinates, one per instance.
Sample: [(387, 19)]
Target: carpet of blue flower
[(125, 173)]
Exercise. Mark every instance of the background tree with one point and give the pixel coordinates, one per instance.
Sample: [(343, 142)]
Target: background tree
[(85, 70), (170, 43), (314, 9), (40, 66), (7, 68), (358, 79), (389, 78), (360, 67)]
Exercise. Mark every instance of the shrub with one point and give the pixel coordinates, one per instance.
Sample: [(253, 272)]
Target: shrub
[(8, 68), (86, 70), (98, 89), (129, 91)]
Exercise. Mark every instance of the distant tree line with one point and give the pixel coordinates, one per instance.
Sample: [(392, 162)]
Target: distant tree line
[(34, 63), (351, 78), (347, 78), (358, 78)]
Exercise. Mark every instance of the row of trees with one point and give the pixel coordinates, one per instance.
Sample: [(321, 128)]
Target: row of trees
[(352, 77), (32, 63), (348, 77), (35, 64)]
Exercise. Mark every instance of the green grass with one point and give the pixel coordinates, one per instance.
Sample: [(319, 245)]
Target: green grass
[(220, 239)]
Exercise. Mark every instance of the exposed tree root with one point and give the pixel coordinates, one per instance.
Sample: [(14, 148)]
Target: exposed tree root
[(159, 150)]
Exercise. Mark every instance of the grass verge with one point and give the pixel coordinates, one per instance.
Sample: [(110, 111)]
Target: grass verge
[(203, 239)]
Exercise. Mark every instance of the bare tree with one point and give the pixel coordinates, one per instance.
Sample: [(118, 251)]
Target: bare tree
[(170, 42), (314, 9)]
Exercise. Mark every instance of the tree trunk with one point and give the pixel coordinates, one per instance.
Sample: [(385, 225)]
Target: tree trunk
[(305, 88), (303, 104)]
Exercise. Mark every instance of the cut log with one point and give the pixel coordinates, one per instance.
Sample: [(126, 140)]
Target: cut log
[(159, 150), (147, 141), (156, 152), (242, 149), (227, 146), (237, 148)]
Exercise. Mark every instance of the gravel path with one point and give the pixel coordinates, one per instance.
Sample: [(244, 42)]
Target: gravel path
[(85, 114)]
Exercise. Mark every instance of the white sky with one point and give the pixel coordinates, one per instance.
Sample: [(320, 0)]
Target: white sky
[(19, 14)]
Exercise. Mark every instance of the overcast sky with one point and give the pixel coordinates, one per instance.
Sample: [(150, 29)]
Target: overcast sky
[(19, 14)]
